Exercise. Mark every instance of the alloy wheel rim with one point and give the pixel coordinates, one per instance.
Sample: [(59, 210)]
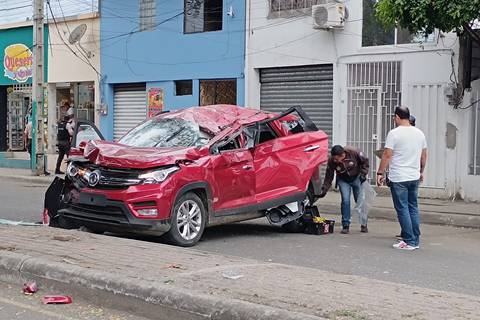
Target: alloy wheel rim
[(189, 219)]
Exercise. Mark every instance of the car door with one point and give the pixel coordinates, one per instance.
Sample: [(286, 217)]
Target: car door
[(84, 132), (289, 149), (233, 176)]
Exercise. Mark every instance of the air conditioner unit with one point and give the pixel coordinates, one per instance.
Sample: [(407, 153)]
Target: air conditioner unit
[(329, 16)]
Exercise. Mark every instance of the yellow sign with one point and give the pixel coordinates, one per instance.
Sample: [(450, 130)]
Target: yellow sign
[(18, 62)]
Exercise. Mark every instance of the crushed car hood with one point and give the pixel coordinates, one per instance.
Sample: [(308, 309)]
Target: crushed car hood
[(110, 154), (217, 117)]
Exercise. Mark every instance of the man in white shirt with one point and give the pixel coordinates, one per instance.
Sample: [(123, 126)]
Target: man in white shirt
[(406, 155)]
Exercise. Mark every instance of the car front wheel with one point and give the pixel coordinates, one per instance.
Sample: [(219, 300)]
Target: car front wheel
[(188, 221)]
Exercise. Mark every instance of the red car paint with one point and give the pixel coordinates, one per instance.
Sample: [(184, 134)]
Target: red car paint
[(234, 182)]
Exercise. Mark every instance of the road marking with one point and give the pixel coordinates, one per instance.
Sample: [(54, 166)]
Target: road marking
[(35, 309)]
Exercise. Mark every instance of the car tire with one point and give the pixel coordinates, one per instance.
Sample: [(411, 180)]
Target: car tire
[(62, 223), (188, 221)]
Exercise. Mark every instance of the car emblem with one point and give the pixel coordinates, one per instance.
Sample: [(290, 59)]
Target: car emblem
[(94, 178)]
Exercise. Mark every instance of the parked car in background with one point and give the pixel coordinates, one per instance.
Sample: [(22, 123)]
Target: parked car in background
[(180, 172)]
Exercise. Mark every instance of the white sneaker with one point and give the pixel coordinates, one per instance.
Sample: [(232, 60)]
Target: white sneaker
[(402, 245)]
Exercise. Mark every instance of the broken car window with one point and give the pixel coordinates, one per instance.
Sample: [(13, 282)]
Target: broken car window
[(293, 126), (166, 133)]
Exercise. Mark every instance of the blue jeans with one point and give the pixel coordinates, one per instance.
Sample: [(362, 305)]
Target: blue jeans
[(346, 189), (405, 195)]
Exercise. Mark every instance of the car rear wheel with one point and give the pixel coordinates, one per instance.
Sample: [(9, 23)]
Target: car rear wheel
[(188, 221)]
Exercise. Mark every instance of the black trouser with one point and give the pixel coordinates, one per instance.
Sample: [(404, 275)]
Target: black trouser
[(62, 151), (29, 146)]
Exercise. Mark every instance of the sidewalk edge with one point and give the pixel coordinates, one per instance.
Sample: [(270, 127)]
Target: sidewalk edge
[(15, 266)]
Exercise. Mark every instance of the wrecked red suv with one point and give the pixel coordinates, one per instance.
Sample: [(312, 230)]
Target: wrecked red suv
[(182, 171)]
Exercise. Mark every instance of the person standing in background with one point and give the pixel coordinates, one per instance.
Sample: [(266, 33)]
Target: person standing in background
[(405, 155)]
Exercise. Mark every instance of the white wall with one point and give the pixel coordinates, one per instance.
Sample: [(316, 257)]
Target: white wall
[(426, 70), (65, 66)]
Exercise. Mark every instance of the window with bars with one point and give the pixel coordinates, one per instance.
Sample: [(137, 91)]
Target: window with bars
[(203, 15), (475, 154), (147, 14), (291, 8), (218, 92)]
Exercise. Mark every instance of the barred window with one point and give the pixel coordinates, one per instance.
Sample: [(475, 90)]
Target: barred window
[(289, 8), (203, 15), (147, 14)]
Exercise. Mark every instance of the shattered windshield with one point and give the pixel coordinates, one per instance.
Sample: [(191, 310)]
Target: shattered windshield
[(166, 133)]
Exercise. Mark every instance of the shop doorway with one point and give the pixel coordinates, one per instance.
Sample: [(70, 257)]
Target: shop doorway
[(19, 113)]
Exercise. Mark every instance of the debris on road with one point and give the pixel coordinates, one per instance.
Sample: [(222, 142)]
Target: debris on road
[(30, 288), (19, 223), (232, 276), (169, 281), (65, 237), (8, 248), (57, 300), (176, 266)]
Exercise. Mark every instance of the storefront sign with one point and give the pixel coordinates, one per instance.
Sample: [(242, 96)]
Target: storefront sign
[(155, 101), (18, 62)]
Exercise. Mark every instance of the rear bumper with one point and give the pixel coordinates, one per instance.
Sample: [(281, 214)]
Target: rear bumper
[(114, 216)]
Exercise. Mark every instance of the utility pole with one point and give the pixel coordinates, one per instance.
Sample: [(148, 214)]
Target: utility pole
[(38, 152)]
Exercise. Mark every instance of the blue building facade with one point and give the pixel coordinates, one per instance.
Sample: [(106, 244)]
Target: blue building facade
[(160, 55)]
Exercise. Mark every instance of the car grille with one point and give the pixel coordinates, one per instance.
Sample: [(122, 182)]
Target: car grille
[(113, 214), (110, 178)]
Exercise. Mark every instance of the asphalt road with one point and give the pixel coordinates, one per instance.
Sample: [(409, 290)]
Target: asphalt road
[(448, 259), (14, 305)]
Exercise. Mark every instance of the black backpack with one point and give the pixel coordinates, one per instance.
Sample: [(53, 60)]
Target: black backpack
[(62, 132)]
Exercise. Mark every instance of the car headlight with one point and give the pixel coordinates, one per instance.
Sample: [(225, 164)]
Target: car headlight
[(158, 176), (72, 170)]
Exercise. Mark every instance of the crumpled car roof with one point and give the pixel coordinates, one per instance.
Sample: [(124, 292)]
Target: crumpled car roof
[(215, 118)]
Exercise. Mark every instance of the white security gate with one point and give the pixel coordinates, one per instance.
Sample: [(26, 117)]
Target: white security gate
[(427, 104), (310, 87), (129, 108), (374, 90)]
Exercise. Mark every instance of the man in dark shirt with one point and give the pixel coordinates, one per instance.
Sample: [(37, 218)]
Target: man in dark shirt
[(351, 168)]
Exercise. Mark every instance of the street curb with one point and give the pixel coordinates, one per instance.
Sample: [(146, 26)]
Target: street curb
[(15, 267), (438, 218)]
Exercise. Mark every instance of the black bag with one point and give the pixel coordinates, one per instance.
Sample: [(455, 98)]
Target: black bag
[(62, 132)]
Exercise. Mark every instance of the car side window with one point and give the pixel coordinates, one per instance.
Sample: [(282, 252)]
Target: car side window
[(232, 144), (265, 133)]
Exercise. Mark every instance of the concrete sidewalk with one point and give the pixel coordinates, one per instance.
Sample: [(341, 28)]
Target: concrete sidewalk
[(191, 284), (25, 175), (432, 211)]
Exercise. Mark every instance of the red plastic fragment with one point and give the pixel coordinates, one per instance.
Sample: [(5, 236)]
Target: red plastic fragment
[(45, 217), (57, 299), (30, 288)]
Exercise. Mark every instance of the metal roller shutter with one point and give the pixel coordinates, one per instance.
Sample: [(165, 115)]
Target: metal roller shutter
[(129, 108), (310, 87)]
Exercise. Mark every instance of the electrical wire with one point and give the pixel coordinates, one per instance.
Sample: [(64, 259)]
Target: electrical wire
[(61, 38), (16, 8)]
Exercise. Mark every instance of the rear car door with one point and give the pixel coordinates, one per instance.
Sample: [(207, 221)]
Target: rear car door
[(234, 177), (85, 131), (288, 151)]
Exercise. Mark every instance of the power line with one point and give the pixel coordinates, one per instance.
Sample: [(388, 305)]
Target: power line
[(16, 8), (61, 38)]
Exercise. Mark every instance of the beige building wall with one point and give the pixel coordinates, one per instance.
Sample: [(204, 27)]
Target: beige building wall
[(66, 67)]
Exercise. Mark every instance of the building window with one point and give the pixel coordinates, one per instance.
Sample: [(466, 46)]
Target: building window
[(374, 34), (218, 92), (147, 14), (203, 15), (475, 154), (291, 8), (183, 87)]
